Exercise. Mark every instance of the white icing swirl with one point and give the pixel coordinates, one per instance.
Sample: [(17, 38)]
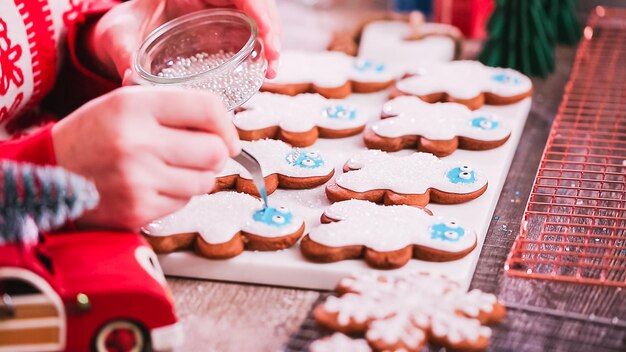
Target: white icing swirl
[(412, 174)]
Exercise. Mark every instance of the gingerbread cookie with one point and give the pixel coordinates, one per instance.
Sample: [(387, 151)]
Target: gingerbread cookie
[(298, 120), (415, 179), (387, 237), (466, 82), (406, 312), (331, 74), (438, 128), (338, 342), (222, 225), (405, 44), (283, 166)]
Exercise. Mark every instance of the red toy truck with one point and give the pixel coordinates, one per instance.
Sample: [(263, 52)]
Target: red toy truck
[(89, 291)]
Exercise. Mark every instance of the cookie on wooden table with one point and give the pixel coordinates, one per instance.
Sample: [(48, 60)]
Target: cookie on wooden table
[(387, 237), (465, 82), (283, 167), (298, 120), (415, 179), (339, 342), (439, 128), (222, 225), (410, 310)]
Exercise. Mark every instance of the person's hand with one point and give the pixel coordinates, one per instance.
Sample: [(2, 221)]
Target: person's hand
[(120, 32), (148, 149)]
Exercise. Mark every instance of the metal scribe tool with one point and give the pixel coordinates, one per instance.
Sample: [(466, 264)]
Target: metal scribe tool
[(254, 168)]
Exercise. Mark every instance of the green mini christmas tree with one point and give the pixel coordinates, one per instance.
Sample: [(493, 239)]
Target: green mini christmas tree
[(44, 195), (561, 13), (520, 37)]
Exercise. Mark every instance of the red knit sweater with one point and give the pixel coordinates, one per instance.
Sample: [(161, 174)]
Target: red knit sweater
[(36, 38)]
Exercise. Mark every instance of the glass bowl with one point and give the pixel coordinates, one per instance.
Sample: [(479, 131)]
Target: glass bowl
[(216, 50)]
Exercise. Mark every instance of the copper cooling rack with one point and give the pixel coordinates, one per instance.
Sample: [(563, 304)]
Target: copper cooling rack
[(574, 227)]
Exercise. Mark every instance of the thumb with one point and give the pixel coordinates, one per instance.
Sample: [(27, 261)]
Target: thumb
[(124, 28), (130, 78)]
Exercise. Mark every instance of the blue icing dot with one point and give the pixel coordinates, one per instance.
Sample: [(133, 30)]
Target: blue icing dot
[(304, 158), (484, 123), (277, 217), (340, 112), (505, 78), (462, 174), (369, 65), (447, 232)]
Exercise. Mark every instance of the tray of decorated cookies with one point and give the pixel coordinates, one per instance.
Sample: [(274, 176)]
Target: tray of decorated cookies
[(387, 163)]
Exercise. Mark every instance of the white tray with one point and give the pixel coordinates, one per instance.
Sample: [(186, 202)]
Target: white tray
[(289, 268)]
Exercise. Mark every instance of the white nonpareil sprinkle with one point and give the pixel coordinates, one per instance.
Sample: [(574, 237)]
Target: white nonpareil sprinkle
[(233, 86)]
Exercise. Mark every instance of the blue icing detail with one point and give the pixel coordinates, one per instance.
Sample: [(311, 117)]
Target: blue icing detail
[(447, 232), (369, 65), (304, 158), (340, 112), (277, 217), (484, 123), (504, 78), (463, 174)]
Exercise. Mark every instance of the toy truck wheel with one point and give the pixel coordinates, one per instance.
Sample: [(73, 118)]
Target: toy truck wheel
[(122, 336)]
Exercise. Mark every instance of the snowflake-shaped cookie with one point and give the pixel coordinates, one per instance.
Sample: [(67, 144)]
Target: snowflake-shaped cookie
[(440, 128), (331, 74), (282, 165), (222, 225), (406, 312), (467, 82), (415, 179), (298, 120), (385, 236), (339, 342)]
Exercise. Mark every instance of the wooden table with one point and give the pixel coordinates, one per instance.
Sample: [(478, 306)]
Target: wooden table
[(542, 315)]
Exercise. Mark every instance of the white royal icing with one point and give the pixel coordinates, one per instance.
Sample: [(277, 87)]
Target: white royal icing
[(456, 328), (388, 228), (274, 157), (475, 301), (385, 41), (420, 301), (339, 342), (353, 308), (465, 80), (328, 69), (439, 121), (218, 217), (411, 174), (368, 282), (398, 328), (300, 113)]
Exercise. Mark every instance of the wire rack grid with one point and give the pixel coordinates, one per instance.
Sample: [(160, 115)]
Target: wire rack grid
[(574, 227)]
